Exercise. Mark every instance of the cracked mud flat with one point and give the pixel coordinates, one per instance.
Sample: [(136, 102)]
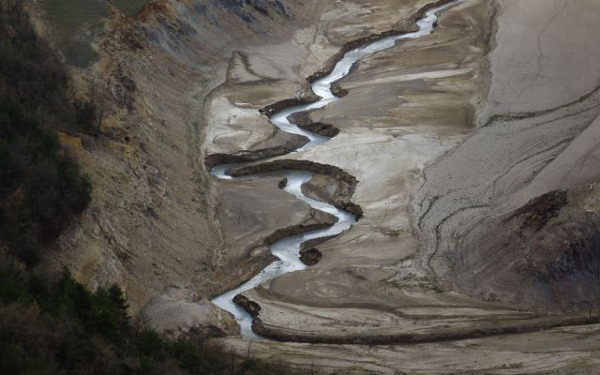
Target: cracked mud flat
[(405, 112)]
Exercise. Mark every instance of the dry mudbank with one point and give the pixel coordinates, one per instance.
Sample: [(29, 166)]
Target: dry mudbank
[(365, 40), (372, 270), (341, 200), (258, 255), (303, 120), (246, 156)]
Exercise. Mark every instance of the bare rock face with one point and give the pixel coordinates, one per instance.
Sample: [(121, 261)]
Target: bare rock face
[(543, 255), (243, 8)]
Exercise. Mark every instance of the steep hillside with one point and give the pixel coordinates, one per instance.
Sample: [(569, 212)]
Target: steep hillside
[(151, 225)]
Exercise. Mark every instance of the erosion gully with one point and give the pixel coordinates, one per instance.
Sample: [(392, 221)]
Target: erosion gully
[(287, 250)]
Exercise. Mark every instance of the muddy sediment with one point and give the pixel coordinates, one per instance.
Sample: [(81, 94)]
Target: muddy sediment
[(341, 201), (272, 109), (532, 324), (250, 156), (338, 90), (299, 294), (301, 165), (323, 220), (526, 326), (258, 256), (310, 244), (251, 307), (308, 97), (347, 183), (330, 64), (447, 335)]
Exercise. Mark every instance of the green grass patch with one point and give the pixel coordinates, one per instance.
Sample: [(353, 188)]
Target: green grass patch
[(419, 284), (129, 7), (75, 24), (42, 189)]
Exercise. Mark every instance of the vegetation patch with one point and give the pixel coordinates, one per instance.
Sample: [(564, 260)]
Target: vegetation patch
[(41, 187), (129, 7), (416, 283), (76, 24), (54, 325), (540, 210)]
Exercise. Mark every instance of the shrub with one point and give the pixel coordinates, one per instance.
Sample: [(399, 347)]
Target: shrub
[(59, 327), (41, 188)]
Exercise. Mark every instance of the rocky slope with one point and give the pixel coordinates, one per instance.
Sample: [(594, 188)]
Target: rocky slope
[(535, 135)]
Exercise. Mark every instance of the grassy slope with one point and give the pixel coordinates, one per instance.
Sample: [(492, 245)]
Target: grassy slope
[(76, 24), (129, 7)]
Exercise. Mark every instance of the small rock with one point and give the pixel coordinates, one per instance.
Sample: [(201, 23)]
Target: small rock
[(310, 257)]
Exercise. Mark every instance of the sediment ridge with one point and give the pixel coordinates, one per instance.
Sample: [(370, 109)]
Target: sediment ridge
[(531, 324)]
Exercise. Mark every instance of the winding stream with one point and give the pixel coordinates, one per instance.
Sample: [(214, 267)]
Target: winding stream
[(288, 249)]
